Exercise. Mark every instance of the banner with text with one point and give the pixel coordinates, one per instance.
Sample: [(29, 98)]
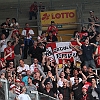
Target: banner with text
[(60, 17), (59, 50)]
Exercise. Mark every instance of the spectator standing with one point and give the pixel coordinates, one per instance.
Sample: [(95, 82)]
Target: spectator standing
[(38, 81), (42, 8), (74, 36), (93, 19), (3, 43), (42, 38), (35, 67), (18, 87), (22, 68), (11, 68), (88, 52), (23, 95), (12, 94), (65, 90), (8, 50), (33, 10), (14, 23), (49, 90), (32, 51), (77, 87), (85, 71), (17, 51), (60, 78), (94, 90), (31, 87), (75, 75), (25, 78), (5, 26), (53, 28), (27, 34), (39, 51), (85, 95), (51, 37)]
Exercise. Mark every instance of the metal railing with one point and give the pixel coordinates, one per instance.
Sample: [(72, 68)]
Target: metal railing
[(4, 88)]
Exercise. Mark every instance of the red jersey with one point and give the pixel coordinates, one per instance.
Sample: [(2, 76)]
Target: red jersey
[(54, 29), (33, 7), (9, 50)]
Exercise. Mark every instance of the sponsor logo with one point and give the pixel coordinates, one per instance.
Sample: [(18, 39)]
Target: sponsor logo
[(47, 16)]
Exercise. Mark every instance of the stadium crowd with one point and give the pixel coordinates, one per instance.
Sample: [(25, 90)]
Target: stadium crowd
[(76, 79)]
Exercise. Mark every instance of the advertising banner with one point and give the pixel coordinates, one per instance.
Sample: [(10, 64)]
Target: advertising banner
[(60, 17)]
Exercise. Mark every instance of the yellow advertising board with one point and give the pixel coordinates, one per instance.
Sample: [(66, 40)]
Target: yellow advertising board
[(60, 17)]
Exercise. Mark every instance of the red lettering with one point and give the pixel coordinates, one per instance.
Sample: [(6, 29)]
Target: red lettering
[(58, 15), (45, 16), (71, 15), (53, 16), (67, 14), (62, 15)]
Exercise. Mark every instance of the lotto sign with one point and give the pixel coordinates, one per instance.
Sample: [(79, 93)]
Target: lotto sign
[(60, 17), (59, 50)]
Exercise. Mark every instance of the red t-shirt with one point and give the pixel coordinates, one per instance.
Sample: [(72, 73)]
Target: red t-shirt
[(9, 50), (53, 29), (33, 7)]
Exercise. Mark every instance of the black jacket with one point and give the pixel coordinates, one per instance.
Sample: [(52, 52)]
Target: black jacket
[(32, 51), (39, 52), (54, 38), (96, 89)]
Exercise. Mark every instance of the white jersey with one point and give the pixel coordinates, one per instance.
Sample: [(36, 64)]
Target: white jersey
[(30, 32), (72, 80), (20, 69)]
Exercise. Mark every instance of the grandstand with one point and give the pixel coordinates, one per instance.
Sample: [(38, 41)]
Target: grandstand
[(19, 9)]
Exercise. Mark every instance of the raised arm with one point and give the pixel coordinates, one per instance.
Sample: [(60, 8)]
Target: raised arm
[(84, 77), (57, 72), (74, 47), (93, 44), (79, 43)]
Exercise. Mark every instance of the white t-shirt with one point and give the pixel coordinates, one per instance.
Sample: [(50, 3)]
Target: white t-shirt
[(24, 97), (30, 32), (20, 69), (72, 80), (3, 46), (60, 83), (12, 24), (32, 67)]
